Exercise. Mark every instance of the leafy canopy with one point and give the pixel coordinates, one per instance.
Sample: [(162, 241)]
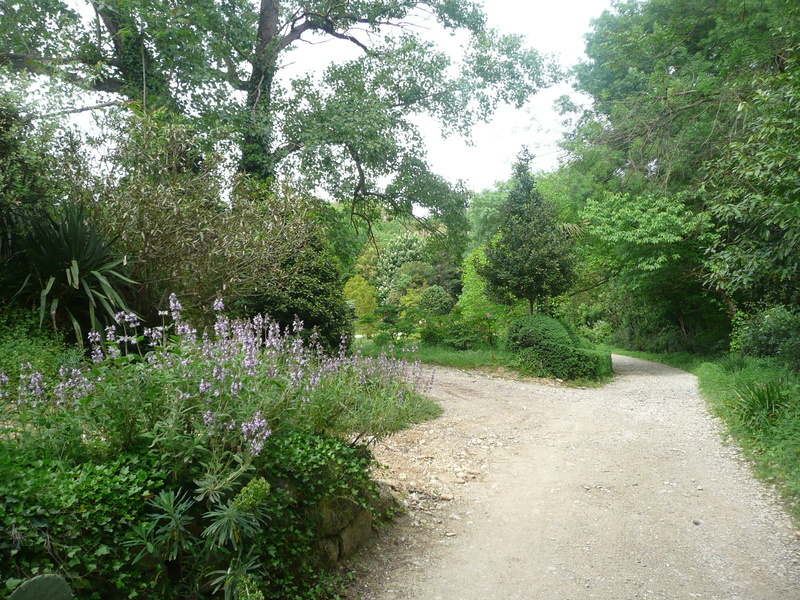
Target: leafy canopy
[(531, 256), (350, 130)]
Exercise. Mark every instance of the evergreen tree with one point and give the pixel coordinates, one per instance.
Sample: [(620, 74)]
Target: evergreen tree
[(530, 256)]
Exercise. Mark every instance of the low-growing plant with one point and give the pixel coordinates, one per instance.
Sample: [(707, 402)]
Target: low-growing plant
[(733, 363), (222, 441), (76, 271), (759, 404)]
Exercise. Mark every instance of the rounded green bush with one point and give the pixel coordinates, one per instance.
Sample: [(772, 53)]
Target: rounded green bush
[(531, 330), (548, 348), (434, 300)]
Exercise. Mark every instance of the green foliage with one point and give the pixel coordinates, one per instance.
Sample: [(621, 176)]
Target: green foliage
[(642, 233), (527, 331), (351, 130), (435, 301), (365, 301), (667, 77), (758, 404), (686, 152), (774, 332), (403, 249), (753, 190), (265, 249), (461, 332), (549, 359), (475, 303), (74, 519), (74, 270), (408, 282), (546, 347), (484, 214), (195, 467), (21, 341), (531, 256), (33, 173)]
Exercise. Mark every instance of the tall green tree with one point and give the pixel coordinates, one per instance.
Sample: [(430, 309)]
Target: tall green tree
[(666, 78), (678, 165), (754, 195), (348, 131), (531, 255)]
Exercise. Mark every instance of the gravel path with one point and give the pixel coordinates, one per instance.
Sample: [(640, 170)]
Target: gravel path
[(531, 490)]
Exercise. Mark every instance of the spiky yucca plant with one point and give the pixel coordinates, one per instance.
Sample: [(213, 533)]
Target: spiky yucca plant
[(75, 268)]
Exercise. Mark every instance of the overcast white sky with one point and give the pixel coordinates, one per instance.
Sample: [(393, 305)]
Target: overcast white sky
[(554, 26), (551, 27)]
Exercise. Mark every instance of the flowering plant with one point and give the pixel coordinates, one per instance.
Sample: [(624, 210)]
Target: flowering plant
[(222, 417)]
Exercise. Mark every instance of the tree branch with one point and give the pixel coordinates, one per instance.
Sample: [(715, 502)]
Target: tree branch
[(43, 64), (73, 111)]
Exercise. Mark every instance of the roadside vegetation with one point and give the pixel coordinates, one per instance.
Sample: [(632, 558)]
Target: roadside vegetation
[(156, 443)]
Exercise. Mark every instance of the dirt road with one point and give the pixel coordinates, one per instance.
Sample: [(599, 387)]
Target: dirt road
[(531, 490)]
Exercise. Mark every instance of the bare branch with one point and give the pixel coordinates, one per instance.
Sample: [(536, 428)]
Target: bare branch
[(73, 111)]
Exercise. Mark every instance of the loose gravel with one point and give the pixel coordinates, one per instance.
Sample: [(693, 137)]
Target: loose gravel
[(529, 489)]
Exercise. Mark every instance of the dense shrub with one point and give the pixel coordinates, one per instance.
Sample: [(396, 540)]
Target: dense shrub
[(187, 228), (189, 469), (459, 331), (435, 301), (550, 359), (771, 332), (529, 330), (546, 347)]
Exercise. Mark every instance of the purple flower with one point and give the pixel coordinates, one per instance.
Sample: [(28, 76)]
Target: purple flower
[(255, 433), (175, 306), (97, 355), (219, 305), (155, 335), (31, 385), (74, 387), (127, 318)]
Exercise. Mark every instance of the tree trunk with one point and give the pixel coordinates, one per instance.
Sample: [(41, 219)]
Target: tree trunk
[(142, 81), (258, 140)]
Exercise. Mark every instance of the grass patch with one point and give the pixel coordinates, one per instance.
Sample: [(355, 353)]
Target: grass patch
[(443, 356)]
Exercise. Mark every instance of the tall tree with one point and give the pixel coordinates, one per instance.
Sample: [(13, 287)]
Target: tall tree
[(347, 131), (689, 128), (667, 77), (530, 256), (754, 195)]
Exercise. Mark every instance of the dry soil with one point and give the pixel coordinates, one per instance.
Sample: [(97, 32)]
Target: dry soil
[(528, 489)]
